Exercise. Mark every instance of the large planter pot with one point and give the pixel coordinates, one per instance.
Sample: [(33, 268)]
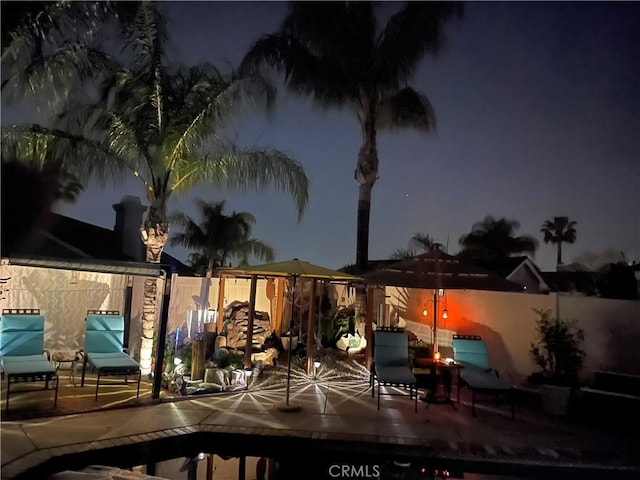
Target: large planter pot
[(555, 399)]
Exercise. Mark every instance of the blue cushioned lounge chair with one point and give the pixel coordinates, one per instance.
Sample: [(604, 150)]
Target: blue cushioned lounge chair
[(477, 375), (103, 349), (391, 363), (24, 358)]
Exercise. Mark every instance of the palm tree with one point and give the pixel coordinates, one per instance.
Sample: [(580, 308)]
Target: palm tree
[(335, 52), (493, 239), (162, 126), (419, 243), (219, 237), (559, 230)]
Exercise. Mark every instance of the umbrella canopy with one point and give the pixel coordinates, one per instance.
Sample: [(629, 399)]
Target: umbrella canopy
[(297, 268)]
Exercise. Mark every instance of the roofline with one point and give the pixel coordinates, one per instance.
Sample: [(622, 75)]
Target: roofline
[(534, 268), (89, 265)]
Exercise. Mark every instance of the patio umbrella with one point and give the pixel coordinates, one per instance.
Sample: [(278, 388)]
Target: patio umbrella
[(295, 269)]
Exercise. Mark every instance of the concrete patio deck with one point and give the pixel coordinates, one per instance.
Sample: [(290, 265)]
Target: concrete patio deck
[(338, 421)]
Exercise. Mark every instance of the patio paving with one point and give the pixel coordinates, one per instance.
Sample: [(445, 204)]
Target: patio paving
[(336, 417)]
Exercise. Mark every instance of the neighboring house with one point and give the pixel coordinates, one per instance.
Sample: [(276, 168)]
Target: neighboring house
[(69, 238), (616, 281), (520, 270), (74, 266), (574, 282)]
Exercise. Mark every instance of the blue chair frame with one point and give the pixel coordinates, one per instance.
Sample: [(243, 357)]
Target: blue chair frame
[(391, 363), (104, 350), (477, 375), (24, 358)]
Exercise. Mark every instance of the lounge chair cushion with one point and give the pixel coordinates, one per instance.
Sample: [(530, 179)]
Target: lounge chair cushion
[(399, 375), (391, 348), (22, 335), (482, 379), (104, 333), (27, 365), (113, 362), (471, 352)]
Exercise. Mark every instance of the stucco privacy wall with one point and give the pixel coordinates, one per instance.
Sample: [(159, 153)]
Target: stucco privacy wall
[(186, 294), (506, 321), (63, 297)]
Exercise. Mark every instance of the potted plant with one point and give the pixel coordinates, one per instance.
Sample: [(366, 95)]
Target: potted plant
[(557, 351), (422, 354)]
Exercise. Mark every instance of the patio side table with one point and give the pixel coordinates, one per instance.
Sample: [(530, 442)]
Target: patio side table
[(69, 357)]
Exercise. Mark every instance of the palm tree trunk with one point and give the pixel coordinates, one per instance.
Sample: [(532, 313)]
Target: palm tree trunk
[(559, 259), (362, 238), (366, 175), (154, 238)]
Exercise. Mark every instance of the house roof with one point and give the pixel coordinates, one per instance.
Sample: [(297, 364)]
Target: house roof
[(507, 267), (72, 239), (439, 270), (573, 281)]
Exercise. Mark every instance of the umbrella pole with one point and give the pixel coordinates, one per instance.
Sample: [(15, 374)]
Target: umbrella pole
[(293, 296)]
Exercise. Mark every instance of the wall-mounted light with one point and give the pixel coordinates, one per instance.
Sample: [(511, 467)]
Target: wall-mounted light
[(445, 314), (425, 312)]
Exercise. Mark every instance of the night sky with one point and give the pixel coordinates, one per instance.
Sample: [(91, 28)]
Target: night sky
[(538, 115)]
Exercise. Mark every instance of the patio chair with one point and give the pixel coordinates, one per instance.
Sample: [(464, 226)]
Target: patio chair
[(24, 358), (103, 349), (391, 363), (477, 375)]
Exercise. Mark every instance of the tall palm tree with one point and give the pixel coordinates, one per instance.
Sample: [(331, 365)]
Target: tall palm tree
[(161, 125), (335, 52), (218, 237), (493, 239), (559, 230), (419, 243)]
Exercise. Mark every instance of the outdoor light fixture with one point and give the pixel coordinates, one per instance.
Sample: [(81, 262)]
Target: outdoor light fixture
[(316, 366), (177, 361), (201, 456), (436, 356), (445, 314), (425, 312)]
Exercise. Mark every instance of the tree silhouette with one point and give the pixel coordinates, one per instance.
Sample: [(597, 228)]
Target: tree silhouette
[(558, 231), (334, 52), (218, 237), (494, 239)]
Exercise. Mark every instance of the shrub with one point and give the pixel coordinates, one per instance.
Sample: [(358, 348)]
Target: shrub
[(557, 350)]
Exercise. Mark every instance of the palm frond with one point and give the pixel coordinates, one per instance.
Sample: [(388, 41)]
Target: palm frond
[(56, 77), (258, 249), (305, 72), (210, 104), (417, 29), (75, 154), (242, 169), (406, 109)]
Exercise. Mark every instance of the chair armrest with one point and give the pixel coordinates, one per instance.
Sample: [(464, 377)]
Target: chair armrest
[(47, 353)]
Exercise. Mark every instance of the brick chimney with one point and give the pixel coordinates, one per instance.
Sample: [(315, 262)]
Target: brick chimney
[(129, 214)]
